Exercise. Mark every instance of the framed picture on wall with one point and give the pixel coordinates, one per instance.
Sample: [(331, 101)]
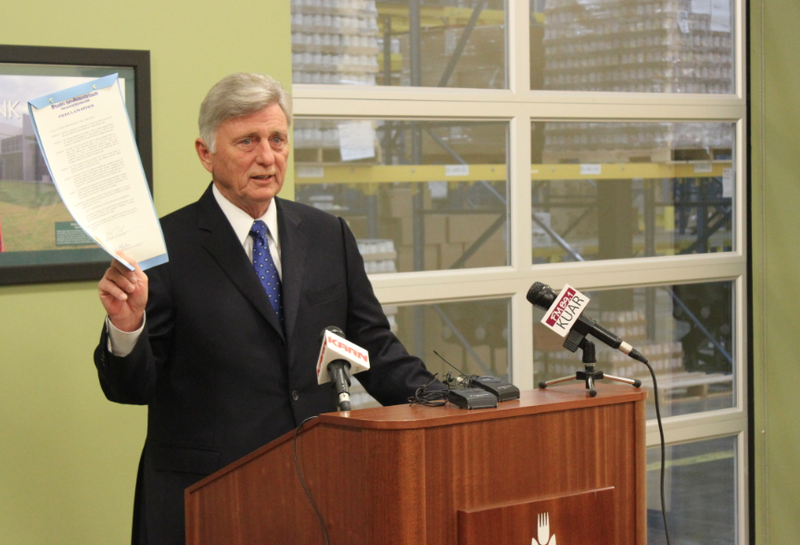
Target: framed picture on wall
[(39, 240)]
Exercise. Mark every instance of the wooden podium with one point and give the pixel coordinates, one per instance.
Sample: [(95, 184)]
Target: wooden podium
[(555, 465)]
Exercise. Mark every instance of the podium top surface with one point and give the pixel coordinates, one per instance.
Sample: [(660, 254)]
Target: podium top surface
[(402, 418), (557, 398)]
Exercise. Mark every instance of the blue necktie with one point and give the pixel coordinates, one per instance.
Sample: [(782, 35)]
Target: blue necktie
[(265, 267)]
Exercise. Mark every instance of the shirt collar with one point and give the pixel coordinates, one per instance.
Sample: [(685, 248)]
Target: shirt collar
[(241, 221)]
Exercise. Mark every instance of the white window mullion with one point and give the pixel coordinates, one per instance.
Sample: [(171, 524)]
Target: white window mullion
[(518, 58), (520, 244), (521, 342), (520, 192)]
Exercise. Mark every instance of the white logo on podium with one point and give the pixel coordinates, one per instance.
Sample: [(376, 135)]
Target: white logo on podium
[(543, 532)]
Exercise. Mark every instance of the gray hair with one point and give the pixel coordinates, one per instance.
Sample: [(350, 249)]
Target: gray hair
[(238, 95)]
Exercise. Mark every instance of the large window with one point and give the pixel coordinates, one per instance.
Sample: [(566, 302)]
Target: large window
[(478, 146), (615, 190), (420, 195), (685, 331)]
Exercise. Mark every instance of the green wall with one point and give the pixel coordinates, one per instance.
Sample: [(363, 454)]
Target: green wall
[(68, 457), (775, 81)]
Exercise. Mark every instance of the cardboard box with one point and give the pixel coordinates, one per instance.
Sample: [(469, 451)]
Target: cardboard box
[(400, 202), (500, 362), (484, 352), (492, 253), (449, 254), (431, 257), (405, 258), (435, 228), (466, 228), (358, 225)]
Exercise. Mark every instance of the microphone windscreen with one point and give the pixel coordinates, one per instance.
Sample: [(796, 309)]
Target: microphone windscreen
[(333, 329), (541, 295)]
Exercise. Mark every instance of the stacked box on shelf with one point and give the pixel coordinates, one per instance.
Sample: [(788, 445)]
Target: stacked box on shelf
[(335, 42), (636, 142), (464, 230), (447, 235), (480, 65), (391, 314), (659, 46), (318, 141), (477, 143), (630, 325), (638, 46), (548, 205), (379, 255), (664, 357)]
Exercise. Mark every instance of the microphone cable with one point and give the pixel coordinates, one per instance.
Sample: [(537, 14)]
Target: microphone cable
[(430, 398), (663, 447), (438, 397), (303, 481)]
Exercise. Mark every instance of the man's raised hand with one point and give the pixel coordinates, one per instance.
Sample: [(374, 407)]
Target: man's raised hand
[(124, 294)]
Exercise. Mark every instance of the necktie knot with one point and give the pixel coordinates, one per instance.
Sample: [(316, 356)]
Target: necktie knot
[(259, 230)]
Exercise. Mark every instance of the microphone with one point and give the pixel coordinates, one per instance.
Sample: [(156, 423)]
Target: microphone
[(542, 296), (340, 358)]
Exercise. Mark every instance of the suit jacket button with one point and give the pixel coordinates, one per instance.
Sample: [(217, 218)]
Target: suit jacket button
[(295, 395)]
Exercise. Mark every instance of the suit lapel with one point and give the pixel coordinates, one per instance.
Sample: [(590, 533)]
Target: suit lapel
[(294, 248), (219, 240)]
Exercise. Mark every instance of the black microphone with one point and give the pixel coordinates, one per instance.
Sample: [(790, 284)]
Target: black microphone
[(338, 355), (542, 296), (339, 374), (339, 371)]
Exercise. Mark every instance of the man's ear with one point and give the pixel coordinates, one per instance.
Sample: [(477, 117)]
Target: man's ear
[(204, 154)]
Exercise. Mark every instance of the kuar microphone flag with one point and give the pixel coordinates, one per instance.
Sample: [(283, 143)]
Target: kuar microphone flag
[(565, 310)]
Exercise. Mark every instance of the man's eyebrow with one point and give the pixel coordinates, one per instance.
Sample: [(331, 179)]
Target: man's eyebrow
[(251, 134)]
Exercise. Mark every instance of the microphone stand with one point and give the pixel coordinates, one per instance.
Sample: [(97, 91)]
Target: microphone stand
[(589, 373)]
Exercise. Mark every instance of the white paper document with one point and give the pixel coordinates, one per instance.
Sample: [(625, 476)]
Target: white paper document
[(720, 15), (90, 151), (356, 140), (701, 7)]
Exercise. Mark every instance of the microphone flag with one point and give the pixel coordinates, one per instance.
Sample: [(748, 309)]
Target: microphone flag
[(565, 310), (335, 347)]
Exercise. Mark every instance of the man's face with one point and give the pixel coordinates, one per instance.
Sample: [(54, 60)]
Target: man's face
[(249, 164)]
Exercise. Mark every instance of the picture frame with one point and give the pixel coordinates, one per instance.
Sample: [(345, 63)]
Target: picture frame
[(39, 241)]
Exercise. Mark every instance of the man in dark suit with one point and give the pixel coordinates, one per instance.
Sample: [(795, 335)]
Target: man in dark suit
[(199, 340)]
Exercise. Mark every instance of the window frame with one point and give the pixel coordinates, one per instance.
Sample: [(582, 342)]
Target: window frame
[(519, 106)]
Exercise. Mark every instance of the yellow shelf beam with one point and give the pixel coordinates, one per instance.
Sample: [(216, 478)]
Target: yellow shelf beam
[(360, 174)]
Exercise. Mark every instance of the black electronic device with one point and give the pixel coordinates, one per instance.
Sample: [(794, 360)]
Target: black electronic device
[(472, 398), (496, 386)]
